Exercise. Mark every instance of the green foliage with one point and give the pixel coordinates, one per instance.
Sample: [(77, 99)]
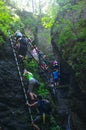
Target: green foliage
[(52, 12), (62, 2), (79, 63), (42, 91), (30, 65), (70, 29), (1, 40), (54, 125), (16, 23), (5, 19), (47, 21), (8, 21)]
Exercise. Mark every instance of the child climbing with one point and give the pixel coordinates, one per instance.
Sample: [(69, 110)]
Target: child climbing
[(56, 77), (35, 53), (55, 64)]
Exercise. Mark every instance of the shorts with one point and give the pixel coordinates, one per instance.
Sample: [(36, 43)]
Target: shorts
[(32, 83), (56, 80)]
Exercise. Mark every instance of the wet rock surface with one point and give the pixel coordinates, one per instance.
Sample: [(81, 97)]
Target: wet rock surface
[(13, 111)]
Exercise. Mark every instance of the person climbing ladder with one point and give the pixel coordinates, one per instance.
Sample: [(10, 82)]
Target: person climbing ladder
[(32, 82), (44, 112), (56, 77)]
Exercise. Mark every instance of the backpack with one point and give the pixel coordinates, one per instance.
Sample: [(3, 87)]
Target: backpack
[(46, 106), (37, 84), (23, 42)]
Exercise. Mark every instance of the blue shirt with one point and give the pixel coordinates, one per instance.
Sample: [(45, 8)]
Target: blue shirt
[(55, 75)]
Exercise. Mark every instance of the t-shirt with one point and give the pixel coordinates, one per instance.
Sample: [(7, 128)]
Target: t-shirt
[(28, 76), (56, 75)]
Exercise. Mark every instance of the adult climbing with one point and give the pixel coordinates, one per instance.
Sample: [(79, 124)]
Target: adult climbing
[(32, 82)]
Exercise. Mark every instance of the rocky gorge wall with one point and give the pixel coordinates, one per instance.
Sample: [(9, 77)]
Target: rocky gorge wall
[(13, 113)]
